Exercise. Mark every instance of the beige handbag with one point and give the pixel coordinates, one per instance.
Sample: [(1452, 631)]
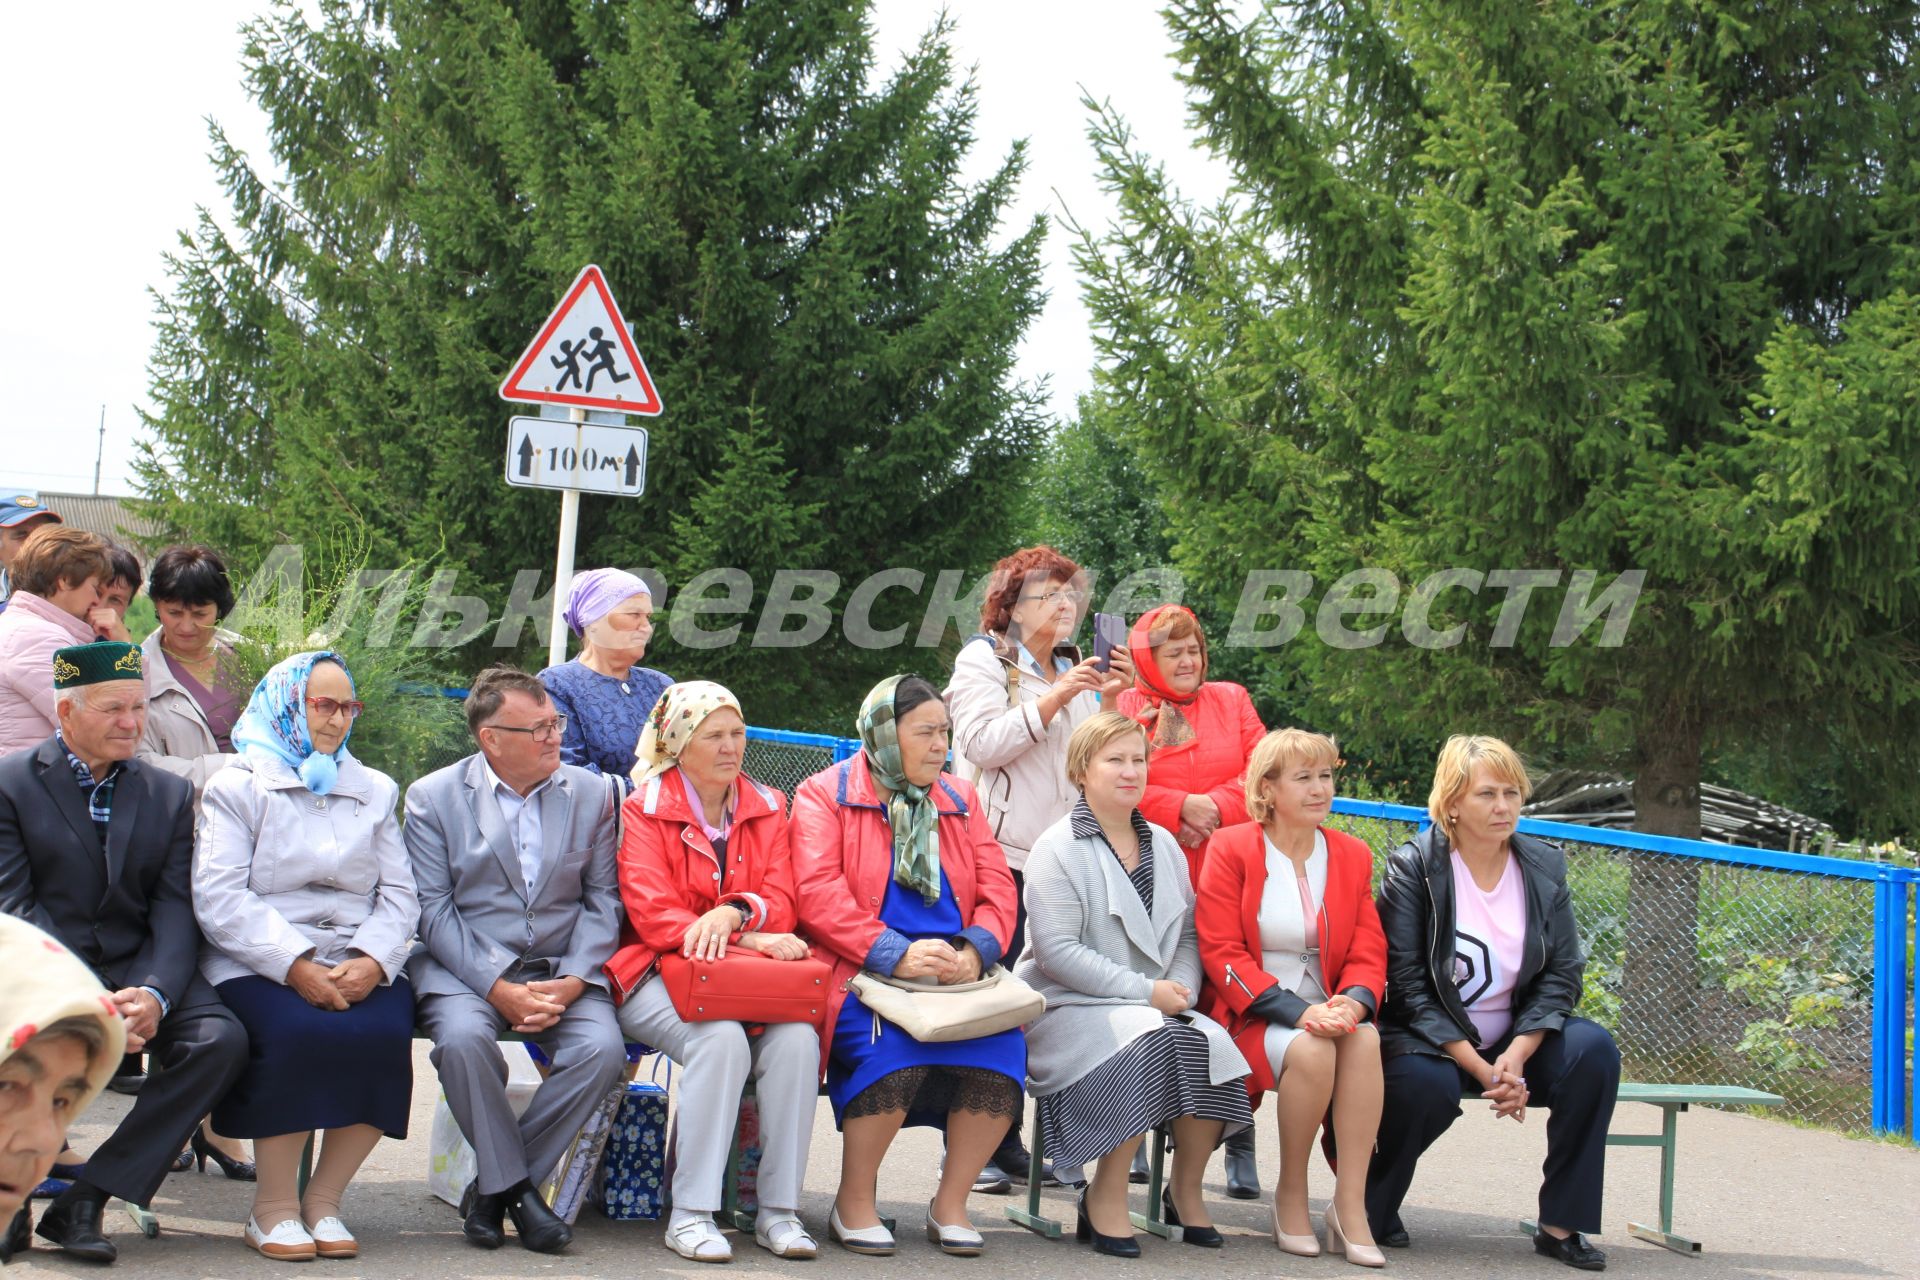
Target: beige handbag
[(932, 1013)]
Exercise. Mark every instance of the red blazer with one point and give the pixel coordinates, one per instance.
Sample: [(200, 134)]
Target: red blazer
[(670, 876), (1212, 763), (843, 858), (1353, 948)]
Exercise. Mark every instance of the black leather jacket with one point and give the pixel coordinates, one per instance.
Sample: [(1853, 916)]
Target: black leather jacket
[(1423, 1010)]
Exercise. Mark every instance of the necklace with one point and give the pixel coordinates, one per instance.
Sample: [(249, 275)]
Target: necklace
[(203, 663)]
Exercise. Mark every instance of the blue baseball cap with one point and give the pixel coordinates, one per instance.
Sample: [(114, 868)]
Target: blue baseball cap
[(20, 506)]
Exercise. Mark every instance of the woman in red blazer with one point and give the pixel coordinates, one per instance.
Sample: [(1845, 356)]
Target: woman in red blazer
[(1295, 964), (705, 865)]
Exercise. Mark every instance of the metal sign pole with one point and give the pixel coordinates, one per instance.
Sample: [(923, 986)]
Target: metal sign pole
[(563, 564)]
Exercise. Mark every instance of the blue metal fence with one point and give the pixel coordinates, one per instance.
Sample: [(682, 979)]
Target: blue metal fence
[(1763, 905)]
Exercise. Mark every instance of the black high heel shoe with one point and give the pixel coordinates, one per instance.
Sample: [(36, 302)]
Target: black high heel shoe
[(203, 1151), (1113, 1246), (1205, 1237)]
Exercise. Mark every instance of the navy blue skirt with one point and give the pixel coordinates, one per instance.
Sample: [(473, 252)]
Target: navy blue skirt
[(311, 1068)]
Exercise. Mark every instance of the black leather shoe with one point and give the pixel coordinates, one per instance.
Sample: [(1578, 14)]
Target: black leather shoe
[(1017, 1163), (1138, 1172), (1395, 1236), (1574, 1251), (541, 1230), (131, 1075), (1112, 1246), (1205, 1237), (19, 1237), (73, 1223), (485, 1215), (1243, 1175)]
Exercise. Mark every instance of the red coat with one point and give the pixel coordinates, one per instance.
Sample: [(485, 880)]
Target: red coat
[(1211, 763), (843, 858), (1353, 948), (670, 876)]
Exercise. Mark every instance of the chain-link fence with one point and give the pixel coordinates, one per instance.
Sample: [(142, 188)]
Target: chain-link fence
[(1710, 973)]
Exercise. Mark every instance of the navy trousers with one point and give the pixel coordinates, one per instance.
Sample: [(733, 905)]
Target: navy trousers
[(1575, 1074)]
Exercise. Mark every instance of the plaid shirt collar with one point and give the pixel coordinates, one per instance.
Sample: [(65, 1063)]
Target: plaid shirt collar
[(99, 793)]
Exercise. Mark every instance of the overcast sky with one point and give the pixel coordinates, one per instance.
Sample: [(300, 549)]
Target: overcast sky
[(109, 143)]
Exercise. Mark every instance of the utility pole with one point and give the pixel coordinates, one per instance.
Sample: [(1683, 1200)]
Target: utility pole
[(100, 451)]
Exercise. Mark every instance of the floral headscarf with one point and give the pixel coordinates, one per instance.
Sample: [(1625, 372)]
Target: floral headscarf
[(274, 725), (681, 709), (45, 984), (1162, 715), (910, 810)]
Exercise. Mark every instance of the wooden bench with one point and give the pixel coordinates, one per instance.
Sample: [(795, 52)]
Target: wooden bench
[(1672, 1099)]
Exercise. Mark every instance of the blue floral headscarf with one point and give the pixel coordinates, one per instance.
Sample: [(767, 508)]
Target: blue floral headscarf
[(274, 725)]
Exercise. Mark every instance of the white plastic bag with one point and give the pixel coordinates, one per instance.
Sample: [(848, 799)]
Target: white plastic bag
[(451, 1163)]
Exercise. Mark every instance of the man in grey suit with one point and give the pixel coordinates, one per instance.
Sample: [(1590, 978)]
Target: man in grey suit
[(513, 853)]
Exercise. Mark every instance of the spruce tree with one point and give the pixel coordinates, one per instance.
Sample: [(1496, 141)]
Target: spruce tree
[(1606, 286), (828, 310)]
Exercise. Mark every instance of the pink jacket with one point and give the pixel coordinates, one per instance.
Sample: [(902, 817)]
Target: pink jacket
[(843, 859), (30, 630)]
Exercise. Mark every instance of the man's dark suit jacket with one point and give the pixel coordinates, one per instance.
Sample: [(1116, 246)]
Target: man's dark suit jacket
[(127, 910)]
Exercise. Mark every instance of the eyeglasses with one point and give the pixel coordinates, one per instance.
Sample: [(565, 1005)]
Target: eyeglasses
[(1052, 598), (545, 731), (327, 708)]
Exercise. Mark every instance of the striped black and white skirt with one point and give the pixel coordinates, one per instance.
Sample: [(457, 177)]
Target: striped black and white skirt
[(1157, 1078)]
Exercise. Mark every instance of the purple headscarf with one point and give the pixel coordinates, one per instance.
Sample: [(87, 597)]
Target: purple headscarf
[(595, 593)]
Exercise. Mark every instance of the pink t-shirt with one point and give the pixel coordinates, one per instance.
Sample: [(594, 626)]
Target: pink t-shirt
[(1489, 932)]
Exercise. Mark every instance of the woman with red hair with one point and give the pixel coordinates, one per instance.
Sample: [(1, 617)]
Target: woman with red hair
[(1019, 689), (1202, 732)]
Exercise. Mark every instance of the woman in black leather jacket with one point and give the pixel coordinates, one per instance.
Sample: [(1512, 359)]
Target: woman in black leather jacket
[(1483, 972)]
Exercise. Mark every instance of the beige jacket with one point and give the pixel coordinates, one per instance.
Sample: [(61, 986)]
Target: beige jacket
[(178, 738), (1018, 765)]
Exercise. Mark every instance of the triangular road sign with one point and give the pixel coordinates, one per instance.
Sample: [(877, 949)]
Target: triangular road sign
[(583, 356)]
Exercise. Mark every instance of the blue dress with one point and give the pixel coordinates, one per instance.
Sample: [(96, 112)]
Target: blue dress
[(604, 714), (860, 1058)]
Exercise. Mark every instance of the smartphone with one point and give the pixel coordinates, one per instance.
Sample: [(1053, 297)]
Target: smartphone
[(1109, 633)]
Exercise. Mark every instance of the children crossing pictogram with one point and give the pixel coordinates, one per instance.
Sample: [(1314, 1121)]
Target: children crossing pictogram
[(583, 356)]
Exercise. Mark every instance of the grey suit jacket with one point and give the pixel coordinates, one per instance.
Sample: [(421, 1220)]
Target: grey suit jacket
[(476, 923)]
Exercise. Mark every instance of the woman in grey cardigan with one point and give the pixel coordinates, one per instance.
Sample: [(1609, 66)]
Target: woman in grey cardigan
[(1111, 944)]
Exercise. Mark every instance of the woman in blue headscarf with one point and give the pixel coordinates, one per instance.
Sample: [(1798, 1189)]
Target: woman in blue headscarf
[(305, 893), (604, 695)]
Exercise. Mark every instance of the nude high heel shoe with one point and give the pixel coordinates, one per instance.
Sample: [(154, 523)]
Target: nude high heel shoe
[(1307, 1246), (1360, 1255)]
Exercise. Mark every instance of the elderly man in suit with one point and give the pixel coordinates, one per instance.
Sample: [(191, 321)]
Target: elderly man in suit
[(97, 850), (513, 854)]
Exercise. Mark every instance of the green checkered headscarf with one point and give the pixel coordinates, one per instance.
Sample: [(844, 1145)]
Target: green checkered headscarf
[(910, 810)]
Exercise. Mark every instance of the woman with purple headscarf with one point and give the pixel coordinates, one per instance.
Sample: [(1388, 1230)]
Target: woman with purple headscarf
[(604, 695)]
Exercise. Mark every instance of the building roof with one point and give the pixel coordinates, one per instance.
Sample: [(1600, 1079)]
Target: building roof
[(104, 514)]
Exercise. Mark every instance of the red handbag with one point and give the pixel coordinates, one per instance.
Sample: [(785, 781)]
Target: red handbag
[(745, 986)]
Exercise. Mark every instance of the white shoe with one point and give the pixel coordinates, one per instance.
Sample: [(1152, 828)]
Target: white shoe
[(784, 1236), (287, 1242), (697, 1239), (961, 1242), (875, 1239), (331, 1239)]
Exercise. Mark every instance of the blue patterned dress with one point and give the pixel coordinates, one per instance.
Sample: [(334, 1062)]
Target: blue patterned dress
[(604, 714)]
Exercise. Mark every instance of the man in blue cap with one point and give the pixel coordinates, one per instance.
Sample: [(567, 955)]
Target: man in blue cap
[(21, 513)]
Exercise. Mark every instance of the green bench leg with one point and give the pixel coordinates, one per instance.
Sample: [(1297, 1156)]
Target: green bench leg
[(1152, 1220), (306, 1166), (1031, 1218), (142, 1218), (731, 1214), (1667, 1141)]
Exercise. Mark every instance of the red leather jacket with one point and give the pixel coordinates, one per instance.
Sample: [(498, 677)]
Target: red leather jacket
[(670, 875)]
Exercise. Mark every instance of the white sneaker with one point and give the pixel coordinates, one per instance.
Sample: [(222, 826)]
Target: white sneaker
[(697, 1239), (784, 1236), (331, 1239), (875, 1239), (287, 1242)]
